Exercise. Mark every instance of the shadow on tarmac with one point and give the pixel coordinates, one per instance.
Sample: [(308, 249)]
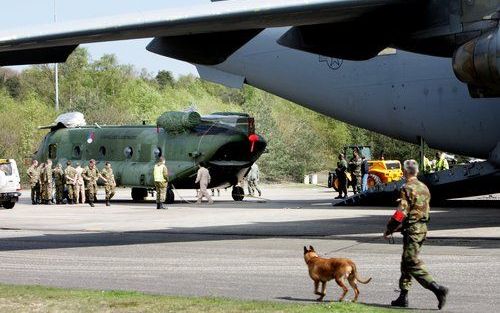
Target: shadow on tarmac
[(359, 228)]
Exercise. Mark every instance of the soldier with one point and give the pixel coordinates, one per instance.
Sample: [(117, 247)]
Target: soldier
[(70, 174), (160, 176), (80, 189), (355, 166), (341, 175), (34, 177), (203, 177), (91, 174), (109, 187), (46, 182), (412, 217), (59, 182)]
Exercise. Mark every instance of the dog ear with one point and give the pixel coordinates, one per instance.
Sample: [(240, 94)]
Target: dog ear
[(311, 248), (305, 250)]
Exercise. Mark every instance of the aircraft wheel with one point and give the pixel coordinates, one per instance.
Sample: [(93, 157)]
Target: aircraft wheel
[(238, 193), (170, 196), (139, 194)]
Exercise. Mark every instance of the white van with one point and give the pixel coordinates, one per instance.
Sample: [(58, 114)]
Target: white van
[(10, 183)]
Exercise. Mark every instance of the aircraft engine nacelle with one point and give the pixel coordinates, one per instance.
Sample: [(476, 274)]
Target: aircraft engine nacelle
[(477, 63)]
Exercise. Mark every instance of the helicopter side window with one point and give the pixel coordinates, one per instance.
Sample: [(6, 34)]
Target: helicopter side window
[(157, 152), (128, 152), (52, 151), (102, 152), (77, 152)]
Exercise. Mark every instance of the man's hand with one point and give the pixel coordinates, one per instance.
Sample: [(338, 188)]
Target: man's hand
[(387, 235)]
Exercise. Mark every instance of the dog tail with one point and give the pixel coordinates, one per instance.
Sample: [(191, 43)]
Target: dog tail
[(363, 281)]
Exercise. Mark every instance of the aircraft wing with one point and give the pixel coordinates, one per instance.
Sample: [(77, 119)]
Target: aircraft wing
[(238, 21)]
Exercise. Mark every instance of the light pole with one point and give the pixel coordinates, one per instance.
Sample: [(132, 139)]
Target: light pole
[(56, 68)]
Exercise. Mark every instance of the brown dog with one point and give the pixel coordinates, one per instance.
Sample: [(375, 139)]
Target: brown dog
[(323, 270)]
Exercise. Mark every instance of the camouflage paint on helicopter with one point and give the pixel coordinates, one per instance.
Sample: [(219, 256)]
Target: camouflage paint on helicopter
[(225, 141)]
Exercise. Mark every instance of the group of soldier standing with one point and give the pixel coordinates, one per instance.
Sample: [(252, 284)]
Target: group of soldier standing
[(358, 171), (79, 183)]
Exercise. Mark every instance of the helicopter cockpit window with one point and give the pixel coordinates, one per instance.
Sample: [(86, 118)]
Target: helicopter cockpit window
[(157, 152), (129, 152), (77, 152), (52, 151), (102, 152)]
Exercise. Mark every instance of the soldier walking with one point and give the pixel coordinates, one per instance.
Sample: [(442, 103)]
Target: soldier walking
[(91, 174), (203, 178), (59, 181), (70, 175), (341, 176), (160, 177), (46, 182), (34, 178), (412, 216), (252, 180), (109, 186)]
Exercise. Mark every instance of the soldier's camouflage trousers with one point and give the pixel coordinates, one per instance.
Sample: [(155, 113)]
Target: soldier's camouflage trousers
[(46, 191), (110, 191), (59, 193), (72, 192), (35, 193), (92, 191), (411, 265), (161, 192)]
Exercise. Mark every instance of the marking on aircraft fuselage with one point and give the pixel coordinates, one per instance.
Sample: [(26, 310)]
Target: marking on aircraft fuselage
[(333, 63)]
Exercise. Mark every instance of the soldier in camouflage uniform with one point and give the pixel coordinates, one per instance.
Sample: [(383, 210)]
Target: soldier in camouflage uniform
[(160, 177), (59, 181), (414, 211), (109, 186), (91, 174), (34, 177), (355, 167), (46, 182), (70, 175)]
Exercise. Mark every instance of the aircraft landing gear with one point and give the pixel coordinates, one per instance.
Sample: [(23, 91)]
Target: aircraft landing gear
[(238, 193), (170, 196), (139, 194)]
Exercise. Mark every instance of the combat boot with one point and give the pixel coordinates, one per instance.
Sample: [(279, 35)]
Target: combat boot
[(107, 203), (158, 206), (402, 300), (91, 204), (441, 292)]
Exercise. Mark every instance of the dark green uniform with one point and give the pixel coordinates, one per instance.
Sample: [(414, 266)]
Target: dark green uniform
[(415, 198), (341, 175), (34, 177), (355, 167), (59, 181)]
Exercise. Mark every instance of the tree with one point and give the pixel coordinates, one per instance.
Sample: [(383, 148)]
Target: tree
[(164, 79)]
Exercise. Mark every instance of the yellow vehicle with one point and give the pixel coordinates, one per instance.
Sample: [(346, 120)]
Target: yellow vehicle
[(383, 172)]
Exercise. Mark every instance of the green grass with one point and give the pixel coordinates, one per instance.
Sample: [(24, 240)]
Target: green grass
[(44, 299)]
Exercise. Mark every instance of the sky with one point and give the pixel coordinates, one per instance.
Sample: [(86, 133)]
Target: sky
[(26, 13)]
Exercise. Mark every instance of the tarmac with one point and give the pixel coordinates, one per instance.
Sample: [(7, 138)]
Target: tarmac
[(248, 250)]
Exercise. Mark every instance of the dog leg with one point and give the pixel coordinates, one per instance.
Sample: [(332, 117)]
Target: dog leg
[(352, 282), (344, 288), (316, 286)]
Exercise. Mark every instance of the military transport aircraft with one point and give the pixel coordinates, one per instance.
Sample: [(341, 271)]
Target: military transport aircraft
[(411, 69), (226, 141)]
